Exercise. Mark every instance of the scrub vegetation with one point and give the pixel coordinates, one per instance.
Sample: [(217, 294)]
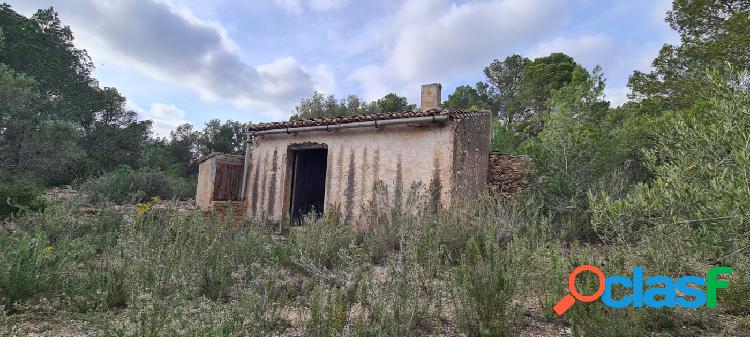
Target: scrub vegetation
[(662, 182)]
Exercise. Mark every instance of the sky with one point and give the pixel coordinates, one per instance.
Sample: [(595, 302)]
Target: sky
[(190, 61)]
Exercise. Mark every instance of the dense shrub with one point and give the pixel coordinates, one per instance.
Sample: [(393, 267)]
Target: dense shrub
[(102, 288), (28, 267), (126, 185), (485, 289), (319, 241), (19, 196), (698, 205)]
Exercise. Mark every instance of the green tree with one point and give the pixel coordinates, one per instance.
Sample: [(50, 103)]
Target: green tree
[(521, 87), (543, 76), (19, 100), (467, 97), (228, 137), (574, 150), (67, 97), (507, 80), (518, 90), (700, 194), (322, 106), (712, 32), (52, 156), (393, 103), (184, 149)]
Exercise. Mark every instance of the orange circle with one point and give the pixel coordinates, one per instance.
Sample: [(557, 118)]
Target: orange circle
[(572, 283)]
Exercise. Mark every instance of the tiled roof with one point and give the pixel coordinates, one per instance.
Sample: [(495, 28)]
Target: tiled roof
[(453, 113)]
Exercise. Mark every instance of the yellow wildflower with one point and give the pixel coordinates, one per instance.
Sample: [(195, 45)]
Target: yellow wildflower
[(142, 208)]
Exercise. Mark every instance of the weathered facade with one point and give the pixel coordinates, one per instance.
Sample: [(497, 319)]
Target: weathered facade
[(323, 164)]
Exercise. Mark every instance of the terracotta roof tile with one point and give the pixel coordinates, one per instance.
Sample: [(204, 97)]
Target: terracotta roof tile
[(453, 113)]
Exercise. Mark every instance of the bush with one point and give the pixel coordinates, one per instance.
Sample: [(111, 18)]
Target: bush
[(485, 288), (318, 242), (98, 289), (696, 209), (65, 225), (15, 197), (400, 300), (125, 185), (27, 268)]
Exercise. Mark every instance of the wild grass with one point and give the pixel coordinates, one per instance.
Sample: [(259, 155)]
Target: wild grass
[(494, 268)]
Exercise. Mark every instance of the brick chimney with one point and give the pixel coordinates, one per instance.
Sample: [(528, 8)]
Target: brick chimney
[(431, 96)]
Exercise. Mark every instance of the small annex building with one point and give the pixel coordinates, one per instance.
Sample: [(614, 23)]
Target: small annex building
[(292, 168)]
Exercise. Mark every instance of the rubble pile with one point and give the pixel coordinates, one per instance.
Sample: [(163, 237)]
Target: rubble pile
[(507, 173)]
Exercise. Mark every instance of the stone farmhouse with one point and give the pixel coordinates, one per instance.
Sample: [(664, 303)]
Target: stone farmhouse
[(296, 167)]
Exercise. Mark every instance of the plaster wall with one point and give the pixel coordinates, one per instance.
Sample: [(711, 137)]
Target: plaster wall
[(205, 189), (397, 156)]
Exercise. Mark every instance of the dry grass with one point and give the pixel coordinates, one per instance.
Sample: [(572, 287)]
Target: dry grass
[(494, 269)]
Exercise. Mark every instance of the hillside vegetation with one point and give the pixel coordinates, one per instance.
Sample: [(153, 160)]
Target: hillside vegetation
[(661, 182)]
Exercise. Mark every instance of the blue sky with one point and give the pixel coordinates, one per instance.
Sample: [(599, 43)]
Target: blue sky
[(190, 61)]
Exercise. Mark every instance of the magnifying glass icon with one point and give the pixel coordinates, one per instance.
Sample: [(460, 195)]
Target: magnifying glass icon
[(568, 300)]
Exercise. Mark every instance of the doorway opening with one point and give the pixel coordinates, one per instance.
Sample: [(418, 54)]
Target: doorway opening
[(308, 182)]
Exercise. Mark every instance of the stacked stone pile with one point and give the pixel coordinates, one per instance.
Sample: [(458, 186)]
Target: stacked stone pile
[(236, 208), (508, 174)]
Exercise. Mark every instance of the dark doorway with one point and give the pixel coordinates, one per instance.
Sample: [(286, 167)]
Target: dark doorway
[(308, 183)]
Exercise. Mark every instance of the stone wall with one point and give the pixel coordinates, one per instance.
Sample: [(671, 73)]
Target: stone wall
[(237, 210), (508, 174), (470, 155)]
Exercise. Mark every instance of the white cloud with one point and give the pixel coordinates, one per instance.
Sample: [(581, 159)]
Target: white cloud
[(616, 96), (298, 6), (323, 79), (166, 117), (292, 6), (429, 41), (174, 46), (324, 5)]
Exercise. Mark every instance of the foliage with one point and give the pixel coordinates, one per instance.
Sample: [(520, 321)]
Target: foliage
[(701, 168), (127, 185), (27, 267), (468, 97), (506, 78), (574, 150), (519, 91), (712, 32), (228, 137), (322, 106), (60, 124), (57, 124), (486, 289), (15, 197), (504, 137), (33, 148), (472, 269), (319, 244), (522, 87)]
